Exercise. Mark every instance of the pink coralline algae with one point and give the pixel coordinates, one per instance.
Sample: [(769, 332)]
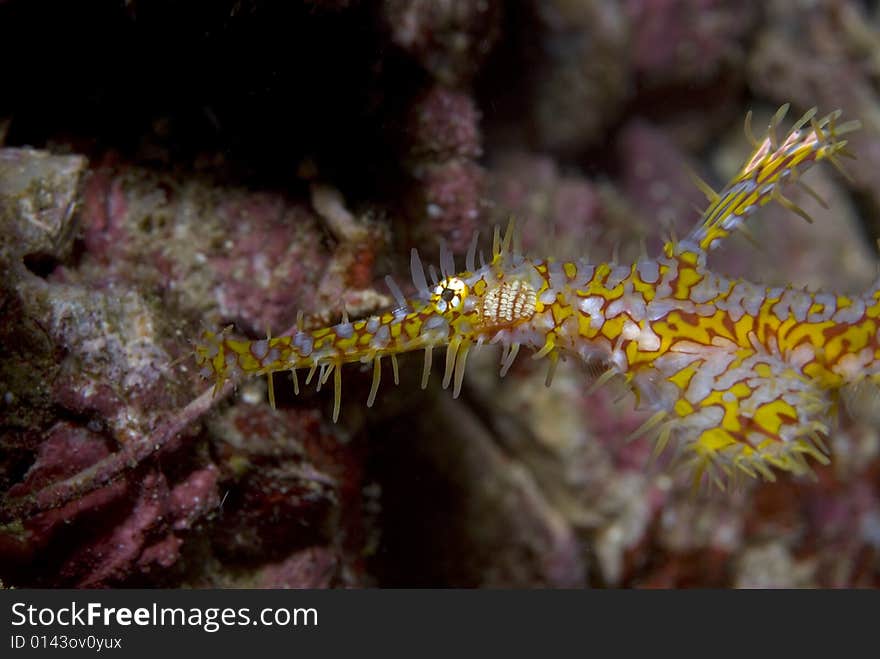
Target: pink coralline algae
[(143, 511), (125, 476), (309, 568), (450, 197), (688, 41), (447, 194), (444, 124), (549, 203), (450, 38)]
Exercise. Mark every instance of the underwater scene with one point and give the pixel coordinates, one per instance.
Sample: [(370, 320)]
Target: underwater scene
[(484, 294)]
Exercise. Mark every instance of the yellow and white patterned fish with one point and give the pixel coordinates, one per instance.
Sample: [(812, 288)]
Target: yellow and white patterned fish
[(745, 377)]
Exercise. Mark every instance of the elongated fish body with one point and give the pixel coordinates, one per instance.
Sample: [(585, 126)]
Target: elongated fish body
[(745, 377)]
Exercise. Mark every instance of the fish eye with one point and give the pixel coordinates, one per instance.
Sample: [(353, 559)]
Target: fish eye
[(449, 294)]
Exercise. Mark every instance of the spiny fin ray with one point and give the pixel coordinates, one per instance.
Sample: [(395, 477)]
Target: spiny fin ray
[(772, 165)]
